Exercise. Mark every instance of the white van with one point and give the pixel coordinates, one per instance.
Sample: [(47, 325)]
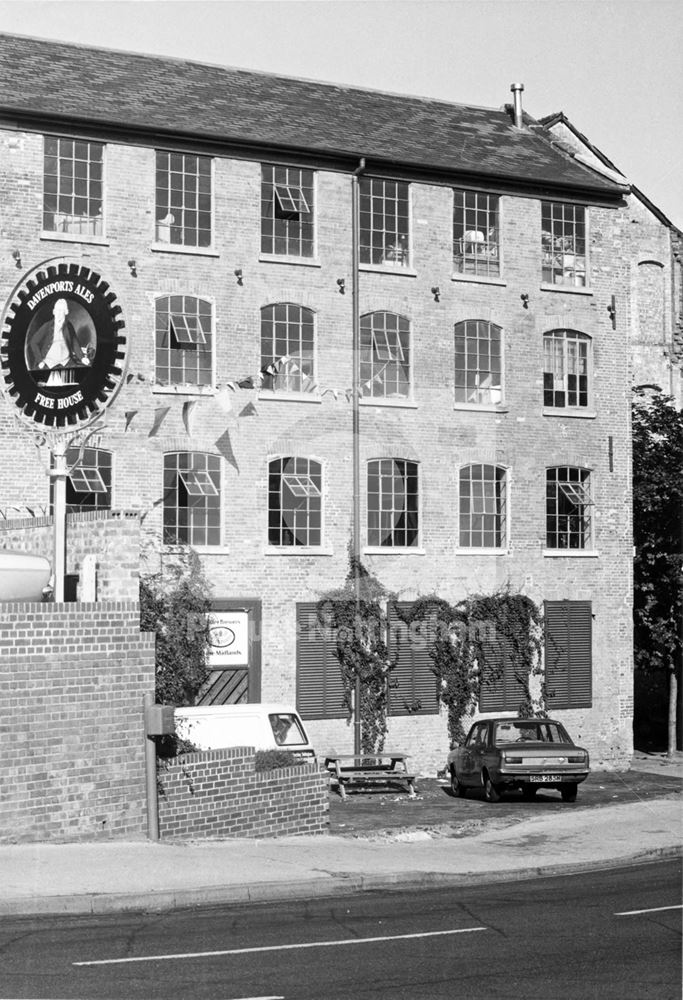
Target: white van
[(262, 726), (23, 576)]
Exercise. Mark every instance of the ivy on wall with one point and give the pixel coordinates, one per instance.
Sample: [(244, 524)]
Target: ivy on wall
[(357, 614), (467, 643)]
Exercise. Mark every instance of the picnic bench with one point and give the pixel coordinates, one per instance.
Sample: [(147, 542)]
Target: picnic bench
[(386, 768)]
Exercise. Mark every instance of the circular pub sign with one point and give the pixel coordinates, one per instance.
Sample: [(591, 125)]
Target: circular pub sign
[(62, 349)]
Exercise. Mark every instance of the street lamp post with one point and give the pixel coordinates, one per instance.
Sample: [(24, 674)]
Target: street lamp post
[(355, 236)]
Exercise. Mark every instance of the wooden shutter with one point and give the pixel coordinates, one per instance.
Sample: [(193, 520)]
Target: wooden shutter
[(505, 693), (319, 690), (568, 654), (412, 683)]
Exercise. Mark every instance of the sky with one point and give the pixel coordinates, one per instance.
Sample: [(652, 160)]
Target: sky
[(615, 67)]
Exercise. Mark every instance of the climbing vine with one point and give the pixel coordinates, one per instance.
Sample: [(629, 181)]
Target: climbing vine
[(356, 613), (468, 643)]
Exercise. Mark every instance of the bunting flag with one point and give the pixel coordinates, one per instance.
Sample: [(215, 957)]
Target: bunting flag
[(223, 399), (246, 383), (188, 410), (334, 392), (159, 417), (130, 414), (248, 411), (224, 446)]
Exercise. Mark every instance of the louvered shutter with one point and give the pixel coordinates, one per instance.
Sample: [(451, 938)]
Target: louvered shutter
[(412, 685), (505, 693), (319, 690), (568, 654)]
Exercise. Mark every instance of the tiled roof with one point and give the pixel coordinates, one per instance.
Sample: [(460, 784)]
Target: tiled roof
[(52, 80)]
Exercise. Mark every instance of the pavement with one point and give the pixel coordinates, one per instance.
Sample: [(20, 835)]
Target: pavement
[(115, 876)]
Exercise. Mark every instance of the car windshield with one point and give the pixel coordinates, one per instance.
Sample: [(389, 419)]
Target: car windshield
[(286, 730), (521, 730)]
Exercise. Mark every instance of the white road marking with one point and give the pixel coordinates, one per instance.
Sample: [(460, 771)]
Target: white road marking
[(654, 909), (278, 947)]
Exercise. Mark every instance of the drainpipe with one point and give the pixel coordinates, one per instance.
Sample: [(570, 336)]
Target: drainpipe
[(355, 388), (517, 89)]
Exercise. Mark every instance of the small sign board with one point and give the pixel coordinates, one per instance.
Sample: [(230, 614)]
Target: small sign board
[(228, 639)]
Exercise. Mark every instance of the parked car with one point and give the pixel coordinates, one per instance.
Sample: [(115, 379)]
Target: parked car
[(525, 754)]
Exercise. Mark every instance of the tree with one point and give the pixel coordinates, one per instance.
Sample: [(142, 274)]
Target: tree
[(658, 539), (174, 604)]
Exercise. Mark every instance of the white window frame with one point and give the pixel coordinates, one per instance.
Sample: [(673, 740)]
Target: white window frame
[(183, 246), (559, 251), (462, 329), (89, 467), (95, 229), (219, 493), (205, 338), (581, 487), (302, 487), (305, 208), (505, 517), (373, 546), (396, 257), (374, 368), (286, 382), (476, 252), (564, 336)]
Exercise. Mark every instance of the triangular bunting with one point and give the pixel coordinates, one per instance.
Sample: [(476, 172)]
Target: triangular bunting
[(159, 417), (188, 409), (130, 414), (224, 446), (248, 411), (223, 399)]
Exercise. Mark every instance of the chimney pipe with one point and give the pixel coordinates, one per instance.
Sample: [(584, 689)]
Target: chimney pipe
[(517, 89)]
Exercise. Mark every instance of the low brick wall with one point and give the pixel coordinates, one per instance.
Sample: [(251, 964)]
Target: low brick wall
[(218, 793), (72, 760)]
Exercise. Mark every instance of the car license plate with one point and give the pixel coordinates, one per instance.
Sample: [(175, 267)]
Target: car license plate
[(545, 777)]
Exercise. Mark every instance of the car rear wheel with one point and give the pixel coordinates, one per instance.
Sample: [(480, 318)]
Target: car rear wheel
[(568, 792), (457, 788), (529, 792), (491, 791)]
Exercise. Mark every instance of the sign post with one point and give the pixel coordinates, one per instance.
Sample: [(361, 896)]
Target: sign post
[(62, 358)]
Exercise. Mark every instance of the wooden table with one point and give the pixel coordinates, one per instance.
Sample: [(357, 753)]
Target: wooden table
[(388, 768)]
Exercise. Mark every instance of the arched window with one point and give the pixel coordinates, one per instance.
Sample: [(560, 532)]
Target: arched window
[(294, 502), (88, 483), (393, 503), (192, 498), (483, 507), (478, 363), (567, 369), (568, 503), (385, 355), (287, 347), (183, 340)]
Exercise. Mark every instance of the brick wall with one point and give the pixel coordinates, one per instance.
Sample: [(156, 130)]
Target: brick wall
[(113, 537), (72, 680), (218, 793)]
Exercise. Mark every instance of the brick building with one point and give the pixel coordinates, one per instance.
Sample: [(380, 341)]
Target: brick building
[(654, 248), (211, 211)]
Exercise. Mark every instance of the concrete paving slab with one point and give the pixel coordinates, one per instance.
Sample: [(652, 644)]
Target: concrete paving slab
[(142, 875)]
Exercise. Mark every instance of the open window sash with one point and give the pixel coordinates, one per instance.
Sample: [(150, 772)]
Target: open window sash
[(198, 484)]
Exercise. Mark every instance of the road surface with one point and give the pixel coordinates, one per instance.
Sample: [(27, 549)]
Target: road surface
[(604, 934)]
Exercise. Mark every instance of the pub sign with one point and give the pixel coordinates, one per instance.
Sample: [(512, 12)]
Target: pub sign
[(62, 348)]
